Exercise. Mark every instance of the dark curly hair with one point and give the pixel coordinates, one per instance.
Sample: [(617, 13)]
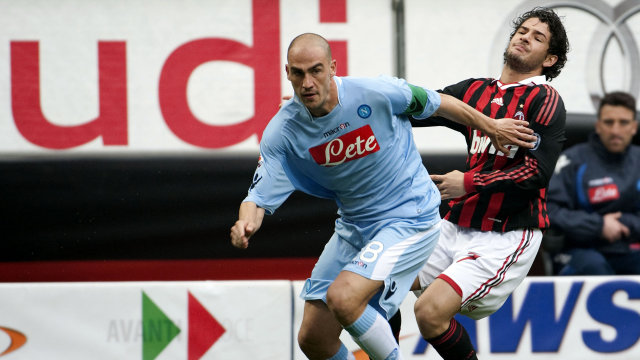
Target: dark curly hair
[(558, 44)]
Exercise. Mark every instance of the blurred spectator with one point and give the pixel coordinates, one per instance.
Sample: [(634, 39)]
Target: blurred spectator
[(594, 197)]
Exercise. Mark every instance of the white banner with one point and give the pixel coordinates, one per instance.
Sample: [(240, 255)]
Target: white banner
[(581, 318), (146, 320), (165, 76), (568, 318), (123, 77)]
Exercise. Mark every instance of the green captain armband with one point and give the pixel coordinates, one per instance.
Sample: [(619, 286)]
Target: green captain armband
[(419, 99)]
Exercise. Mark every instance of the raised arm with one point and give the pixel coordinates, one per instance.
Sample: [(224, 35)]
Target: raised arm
[(249, 220), (501, 132)]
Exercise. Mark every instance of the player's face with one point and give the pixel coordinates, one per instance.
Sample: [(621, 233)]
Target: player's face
[(310, 72), (527, 49), (616, 127)]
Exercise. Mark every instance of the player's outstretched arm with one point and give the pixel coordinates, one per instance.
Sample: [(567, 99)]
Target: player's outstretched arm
[(501, 132), (249, 220)]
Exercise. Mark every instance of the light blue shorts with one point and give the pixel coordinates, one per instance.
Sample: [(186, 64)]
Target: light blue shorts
[(391, 250)]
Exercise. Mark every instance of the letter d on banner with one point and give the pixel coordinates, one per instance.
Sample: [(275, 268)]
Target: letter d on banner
[(263, 57)]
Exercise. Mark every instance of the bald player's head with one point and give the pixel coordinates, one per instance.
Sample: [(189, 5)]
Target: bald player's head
[(310, 69), (306, 40)]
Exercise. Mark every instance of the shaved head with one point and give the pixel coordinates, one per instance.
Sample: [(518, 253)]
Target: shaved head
[(311, 69), (306, 40)]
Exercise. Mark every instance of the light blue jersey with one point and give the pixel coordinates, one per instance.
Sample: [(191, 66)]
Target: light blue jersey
[(361, 154)]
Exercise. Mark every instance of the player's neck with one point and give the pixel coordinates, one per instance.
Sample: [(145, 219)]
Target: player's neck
[(330, 103), (510, 76), (333, 95)]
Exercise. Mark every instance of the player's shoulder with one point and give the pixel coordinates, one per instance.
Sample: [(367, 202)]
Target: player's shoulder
[(484, 80), (547, 90), (550, 106), (373, 84), (377, 91), (471, 81), (461, 87), (283, 119), (289, 109)]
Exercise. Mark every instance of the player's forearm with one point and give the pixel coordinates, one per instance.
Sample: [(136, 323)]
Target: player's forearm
[(251, 213), (522, 177), (458, 111)]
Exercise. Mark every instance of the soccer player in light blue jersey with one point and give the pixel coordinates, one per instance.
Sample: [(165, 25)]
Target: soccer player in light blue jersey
[(350, 140)]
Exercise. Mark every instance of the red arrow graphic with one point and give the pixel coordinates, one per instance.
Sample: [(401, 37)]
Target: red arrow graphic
[(204, 329)]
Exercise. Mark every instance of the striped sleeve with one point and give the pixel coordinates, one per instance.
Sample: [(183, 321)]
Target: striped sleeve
[(499, 179), (548, 109)]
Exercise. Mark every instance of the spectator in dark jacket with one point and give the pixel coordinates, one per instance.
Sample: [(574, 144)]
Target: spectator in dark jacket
[(594, 196)]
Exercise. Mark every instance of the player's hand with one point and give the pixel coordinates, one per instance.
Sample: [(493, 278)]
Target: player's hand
[(612, 229), (241, 231), (512, 132), (450, 185)]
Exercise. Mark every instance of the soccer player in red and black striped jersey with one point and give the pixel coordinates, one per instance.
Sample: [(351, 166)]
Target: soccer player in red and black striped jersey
[(492, 233)]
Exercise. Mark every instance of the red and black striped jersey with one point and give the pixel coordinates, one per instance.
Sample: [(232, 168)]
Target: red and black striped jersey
[(506, 191)]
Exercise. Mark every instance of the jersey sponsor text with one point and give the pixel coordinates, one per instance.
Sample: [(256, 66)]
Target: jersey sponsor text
[(350, 146), (603, 193), (479, 144)]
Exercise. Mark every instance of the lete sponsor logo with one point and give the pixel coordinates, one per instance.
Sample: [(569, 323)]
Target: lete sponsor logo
[(16, 340), (350, 146), (603, 193)]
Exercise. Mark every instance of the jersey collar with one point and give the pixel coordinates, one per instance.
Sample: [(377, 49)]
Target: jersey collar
[(338, 81), (532, 81)]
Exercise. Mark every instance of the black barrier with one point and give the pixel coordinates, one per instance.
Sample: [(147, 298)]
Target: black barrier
[(153, 207)]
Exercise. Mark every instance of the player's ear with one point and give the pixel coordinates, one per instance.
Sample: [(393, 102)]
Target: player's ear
[(332, 67), (287, 71), (550, 60)]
